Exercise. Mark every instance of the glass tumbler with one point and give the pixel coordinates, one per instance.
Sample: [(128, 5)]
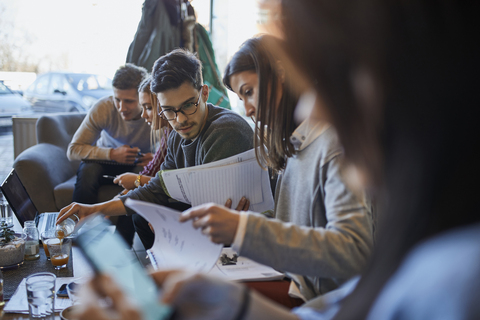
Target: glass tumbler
[(47, 236), (41, 295), (6, 214), (59, 250)]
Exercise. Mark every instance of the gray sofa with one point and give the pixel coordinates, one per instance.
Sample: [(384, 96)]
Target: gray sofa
[(44, 169)]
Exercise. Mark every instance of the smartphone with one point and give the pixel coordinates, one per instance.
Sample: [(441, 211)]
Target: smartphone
[(108, 253), (62, 291)]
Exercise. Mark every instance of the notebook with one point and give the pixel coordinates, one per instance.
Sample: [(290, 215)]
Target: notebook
[(23, 207)]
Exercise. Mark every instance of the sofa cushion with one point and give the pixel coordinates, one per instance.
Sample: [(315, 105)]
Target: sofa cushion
[(63, 192)]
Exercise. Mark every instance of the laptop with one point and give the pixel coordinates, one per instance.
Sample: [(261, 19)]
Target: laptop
[(23, 207)]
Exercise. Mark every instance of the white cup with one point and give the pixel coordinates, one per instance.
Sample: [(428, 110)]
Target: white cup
[(6, 214), (41, 295)]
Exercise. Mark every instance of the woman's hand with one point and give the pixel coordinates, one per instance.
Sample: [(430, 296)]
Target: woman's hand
[(243, 204), (216, 221), (126, 180), (199, 296), (102, 286), (192, 296)]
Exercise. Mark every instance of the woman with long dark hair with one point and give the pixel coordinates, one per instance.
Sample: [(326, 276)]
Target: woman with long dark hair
[(323, 232)]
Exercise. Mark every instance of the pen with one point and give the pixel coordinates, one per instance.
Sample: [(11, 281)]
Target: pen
[(106, 176)]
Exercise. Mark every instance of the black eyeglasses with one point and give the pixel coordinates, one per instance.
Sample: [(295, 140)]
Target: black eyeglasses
[(187, 109)]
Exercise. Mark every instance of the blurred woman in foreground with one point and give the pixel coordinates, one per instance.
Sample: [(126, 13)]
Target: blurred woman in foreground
[(398, 81)]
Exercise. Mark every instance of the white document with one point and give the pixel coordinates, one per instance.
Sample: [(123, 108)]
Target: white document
[(18, 303), (231, 178), (176, 245), (244, 269)]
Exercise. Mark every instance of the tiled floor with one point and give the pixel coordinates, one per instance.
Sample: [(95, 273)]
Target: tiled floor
[(6, 152)]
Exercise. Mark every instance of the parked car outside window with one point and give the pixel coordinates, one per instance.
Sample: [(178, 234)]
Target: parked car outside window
[(67, 92), (11, 104)]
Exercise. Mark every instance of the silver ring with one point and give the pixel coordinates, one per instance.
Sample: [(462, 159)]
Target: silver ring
[(78, 219)]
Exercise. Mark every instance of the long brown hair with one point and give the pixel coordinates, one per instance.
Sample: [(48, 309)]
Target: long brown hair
[(421, 56), (274, 122)]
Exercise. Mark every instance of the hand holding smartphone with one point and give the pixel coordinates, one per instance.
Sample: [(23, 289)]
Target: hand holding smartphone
[(108, 253)]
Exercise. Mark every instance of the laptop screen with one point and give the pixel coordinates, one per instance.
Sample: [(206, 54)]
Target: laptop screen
[(18, 198)]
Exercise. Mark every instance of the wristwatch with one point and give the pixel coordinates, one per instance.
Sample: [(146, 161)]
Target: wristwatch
[(137, 182)]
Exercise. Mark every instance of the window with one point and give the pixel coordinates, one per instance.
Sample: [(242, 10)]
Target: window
[(58, 84), (41, 86)]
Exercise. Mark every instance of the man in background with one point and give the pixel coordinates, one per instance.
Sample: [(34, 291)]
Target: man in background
[(112, 139)]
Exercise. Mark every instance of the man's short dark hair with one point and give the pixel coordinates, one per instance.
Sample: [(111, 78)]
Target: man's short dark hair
[(174, 68), (129, 76)]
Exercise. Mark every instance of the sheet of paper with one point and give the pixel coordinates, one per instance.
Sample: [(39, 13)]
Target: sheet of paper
[(244, 269), (244, 156), (176, 245), (18, 303), (225, 182), (231, 178)]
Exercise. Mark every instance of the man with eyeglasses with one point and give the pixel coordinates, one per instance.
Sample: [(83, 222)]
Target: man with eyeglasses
[(202, 133)]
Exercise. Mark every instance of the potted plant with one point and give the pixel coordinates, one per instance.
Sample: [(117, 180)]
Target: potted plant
[(12, 247)]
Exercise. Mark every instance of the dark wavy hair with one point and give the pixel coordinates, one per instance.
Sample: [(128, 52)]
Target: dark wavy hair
[(274, 120), (173, 69)]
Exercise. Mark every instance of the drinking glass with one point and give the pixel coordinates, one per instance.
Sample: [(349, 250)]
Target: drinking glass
[(59, 250), (46, 236), (6, 214), (41, 295)]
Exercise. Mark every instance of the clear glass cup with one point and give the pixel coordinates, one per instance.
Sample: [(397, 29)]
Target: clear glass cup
[(59, 250), (46, 236), (6, 214), (65, 228), (41, 295)]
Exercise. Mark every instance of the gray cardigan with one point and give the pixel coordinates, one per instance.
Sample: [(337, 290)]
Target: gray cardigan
[(330, 235), (225, 134)]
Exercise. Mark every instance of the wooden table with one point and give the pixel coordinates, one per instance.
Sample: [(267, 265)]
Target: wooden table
[(274, 290)]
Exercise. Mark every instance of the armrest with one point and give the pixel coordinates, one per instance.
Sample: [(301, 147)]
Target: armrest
[(41, 168)]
